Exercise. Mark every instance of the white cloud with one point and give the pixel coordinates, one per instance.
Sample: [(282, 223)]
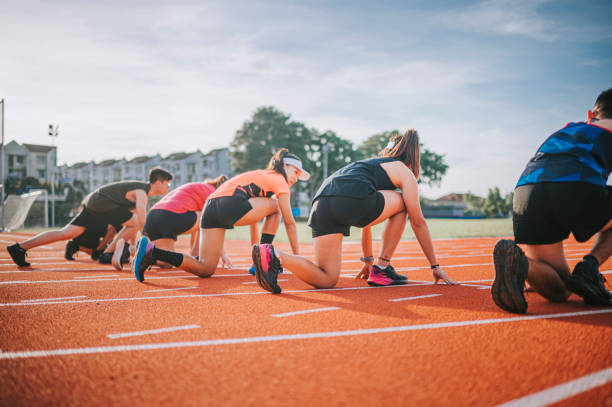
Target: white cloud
[(503, 17)]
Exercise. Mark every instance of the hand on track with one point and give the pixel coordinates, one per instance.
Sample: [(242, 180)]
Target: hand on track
[(365, 272), (438, 274)]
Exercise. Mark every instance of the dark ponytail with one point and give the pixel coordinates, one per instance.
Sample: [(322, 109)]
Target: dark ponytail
[(405, 147), (276, 162)]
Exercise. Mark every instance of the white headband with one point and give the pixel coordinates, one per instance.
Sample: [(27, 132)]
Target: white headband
[(303, 175)]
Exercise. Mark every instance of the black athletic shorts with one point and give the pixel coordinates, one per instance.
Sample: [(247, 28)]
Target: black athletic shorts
[(548, 212), (90, 238), (336, 214), (90, 219), (223, 212), (163, 224)]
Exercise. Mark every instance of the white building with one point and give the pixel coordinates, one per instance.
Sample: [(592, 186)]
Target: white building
[(30, 160), (185, 167)]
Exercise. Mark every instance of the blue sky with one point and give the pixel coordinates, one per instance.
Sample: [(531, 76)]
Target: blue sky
[(483, 82)]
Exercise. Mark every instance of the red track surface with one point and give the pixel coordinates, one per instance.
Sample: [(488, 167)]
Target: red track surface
[(235, 344)]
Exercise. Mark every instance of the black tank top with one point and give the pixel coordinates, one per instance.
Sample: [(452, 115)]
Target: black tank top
[(111, 196), (357, 180)]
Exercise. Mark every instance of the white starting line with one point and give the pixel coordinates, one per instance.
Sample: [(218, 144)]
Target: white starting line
[(414, 298), (563, 391), (152, 331), (308, 311), (290, 337)]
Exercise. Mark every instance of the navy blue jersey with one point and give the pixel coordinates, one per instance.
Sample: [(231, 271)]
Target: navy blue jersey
[(579, 152), (357, 180)]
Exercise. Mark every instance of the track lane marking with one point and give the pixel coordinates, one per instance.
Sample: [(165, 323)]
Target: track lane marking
[(563, 391), (308, 311), (170, 289), (165, 297), (55, 299), (414, 298), (289, 337), (152, 331)]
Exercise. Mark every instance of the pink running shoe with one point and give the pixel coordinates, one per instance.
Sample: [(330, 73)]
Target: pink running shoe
[(380, 277), (267, 266)]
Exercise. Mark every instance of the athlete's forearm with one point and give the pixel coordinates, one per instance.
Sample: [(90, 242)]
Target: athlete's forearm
[(293, 239), (366, 242), (421, 231)]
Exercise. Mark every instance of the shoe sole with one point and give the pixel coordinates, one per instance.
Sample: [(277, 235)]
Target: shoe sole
[(393, 282), (116, 261), (510, 264), (259, 273), (141, 249)]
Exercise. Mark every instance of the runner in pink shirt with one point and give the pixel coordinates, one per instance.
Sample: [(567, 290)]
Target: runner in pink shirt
[(178, 213)]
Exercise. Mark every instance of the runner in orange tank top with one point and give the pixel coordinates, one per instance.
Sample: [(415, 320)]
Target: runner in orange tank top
[(243, 200)]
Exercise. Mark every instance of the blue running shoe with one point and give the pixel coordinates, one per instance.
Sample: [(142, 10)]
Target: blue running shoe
[(143, 258)]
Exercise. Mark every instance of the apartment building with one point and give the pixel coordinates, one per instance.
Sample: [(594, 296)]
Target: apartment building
[(30, 160), (186, 167)]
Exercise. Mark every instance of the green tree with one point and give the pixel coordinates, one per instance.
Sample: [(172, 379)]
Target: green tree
[(259, 138), (340, 152), (433, 167), (495, 205), (474, 204)]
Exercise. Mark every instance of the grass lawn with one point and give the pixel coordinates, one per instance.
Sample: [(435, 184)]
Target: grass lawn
[(439, 228)]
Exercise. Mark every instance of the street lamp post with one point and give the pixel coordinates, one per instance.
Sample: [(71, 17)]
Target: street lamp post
[(53, 133), (2, 167), (325, 152)]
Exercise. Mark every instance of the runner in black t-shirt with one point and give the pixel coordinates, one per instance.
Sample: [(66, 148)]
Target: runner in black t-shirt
[(121, 205)]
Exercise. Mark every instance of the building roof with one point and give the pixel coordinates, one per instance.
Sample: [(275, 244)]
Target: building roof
[(37, 148), (177, 156), (451, 198), (107, 163), (216, 151), (80, 164), (140, 159)]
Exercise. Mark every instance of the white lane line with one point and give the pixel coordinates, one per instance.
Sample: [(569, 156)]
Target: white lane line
[(55, 299), (291, 337), (152, 331), (313, 291), (84, 269), (90, 277), (169, 289), (170, 272), (563, 391), (94, 278), (308, 311), (255, 282), (414, 298)]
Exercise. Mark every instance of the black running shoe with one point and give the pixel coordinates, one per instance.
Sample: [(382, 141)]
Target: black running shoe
[(394, 275), (511, 268), (105, 258), (71, 248), (267, 267), (95, 254), (18, 254), (587, 282)]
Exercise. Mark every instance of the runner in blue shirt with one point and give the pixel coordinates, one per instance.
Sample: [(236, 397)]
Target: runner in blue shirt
[(561, 191)]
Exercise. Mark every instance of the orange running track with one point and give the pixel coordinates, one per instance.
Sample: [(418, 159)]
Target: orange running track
[(80, 333)]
